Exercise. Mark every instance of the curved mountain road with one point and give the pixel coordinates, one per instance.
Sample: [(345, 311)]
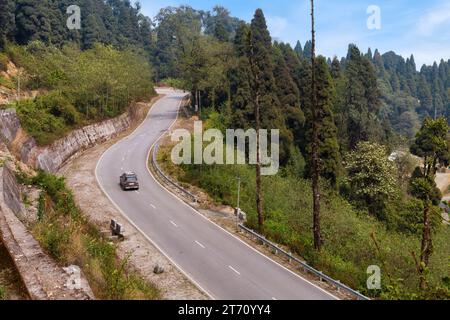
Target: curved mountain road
[(222, 265)]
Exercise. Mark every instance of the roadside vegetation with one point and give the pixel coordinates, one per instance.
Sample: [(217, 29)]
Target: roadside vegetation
[(77, 87), (70, 239), (342, 200), (339, 119), (353, 238)]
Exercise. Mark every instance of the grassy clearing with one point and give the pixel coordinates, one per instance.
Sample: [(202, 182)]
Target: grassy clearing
[(349, 245), (70, 239)]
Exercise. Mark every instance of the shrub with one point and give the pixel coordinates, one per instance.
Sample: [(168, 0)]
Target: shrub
[(39, 122)]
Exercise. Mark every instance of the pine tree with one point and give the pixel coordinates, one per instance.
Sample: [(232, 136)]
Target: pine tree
[(335, 68), (307, 50), (262, 87), (315, 161), (289, 97), (7, 21), (32, 21), (379, 64), (362, 100), (425, 97), (369, 54), (329, 163), (298, 49)]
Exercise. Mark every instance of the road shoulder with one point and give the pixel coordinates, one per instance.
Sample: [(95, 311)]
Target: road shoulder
[(142, 255)]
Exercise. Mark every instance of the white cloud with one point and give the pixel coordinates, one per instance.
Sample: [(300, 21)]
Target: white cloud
[(433, 19)]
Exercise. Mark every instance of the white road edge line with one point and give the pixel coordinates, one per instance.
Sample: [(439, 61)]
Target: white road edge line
[(234, 270), (173, 195), (187, 275), (199, 244), (226, 231)]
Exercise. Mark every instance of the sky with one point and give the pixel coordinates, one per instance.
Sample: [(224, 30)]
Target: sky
[(419, 27)]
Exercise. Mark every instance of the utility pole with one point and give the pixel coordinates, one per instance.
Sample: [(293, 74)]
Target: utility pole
[(315, 140), (238, 208)]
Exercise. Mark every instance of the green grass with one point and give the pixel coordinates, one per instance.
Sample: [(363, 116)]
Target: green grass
[(348, 248), (67, 236)]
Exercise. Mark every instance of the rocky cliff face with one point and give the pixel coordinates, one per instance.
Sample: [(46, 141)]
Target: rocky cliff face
[(51, 158)]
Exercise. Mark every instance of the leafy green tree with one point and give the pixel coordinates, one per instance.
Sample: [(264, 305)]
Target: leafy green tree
[(432, 144), (220, 24), (371, 177), (177, 31)]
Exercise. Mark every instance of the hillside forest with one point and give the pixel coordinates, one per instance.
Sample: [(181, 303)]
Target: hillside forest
[(361, 108)]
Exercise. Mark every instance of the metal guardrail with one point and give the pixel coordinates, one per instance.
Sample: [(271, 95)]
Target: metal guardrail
[(275, 249), (165, 177), (323, 277)]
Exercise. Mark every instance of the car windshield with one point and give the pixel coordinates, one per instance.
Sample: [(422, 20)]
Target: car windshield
[(131, 178)]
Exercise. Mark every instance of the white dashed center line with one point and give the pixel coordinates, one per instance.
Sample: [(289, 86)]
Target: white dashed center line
[(234, 270), (200, 244), (137, 192), (174, 224), (153, 206)]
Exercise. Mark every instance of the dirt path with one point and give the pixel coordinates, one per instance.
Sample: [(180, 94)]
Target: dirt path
[(143, 256)]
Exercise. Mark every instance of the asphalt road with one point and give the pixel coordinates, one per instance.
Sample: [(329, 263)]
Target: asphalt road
[(222, 265)]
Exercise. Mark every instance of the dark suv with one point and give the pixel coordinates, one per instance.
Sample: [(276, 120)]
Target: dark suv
[(129, 181)]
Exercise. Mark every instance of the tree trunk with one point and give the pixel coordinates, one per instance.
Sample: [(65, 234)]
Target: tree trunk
[(427, 245), (259, 207), (315, 142), (255, 96)]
